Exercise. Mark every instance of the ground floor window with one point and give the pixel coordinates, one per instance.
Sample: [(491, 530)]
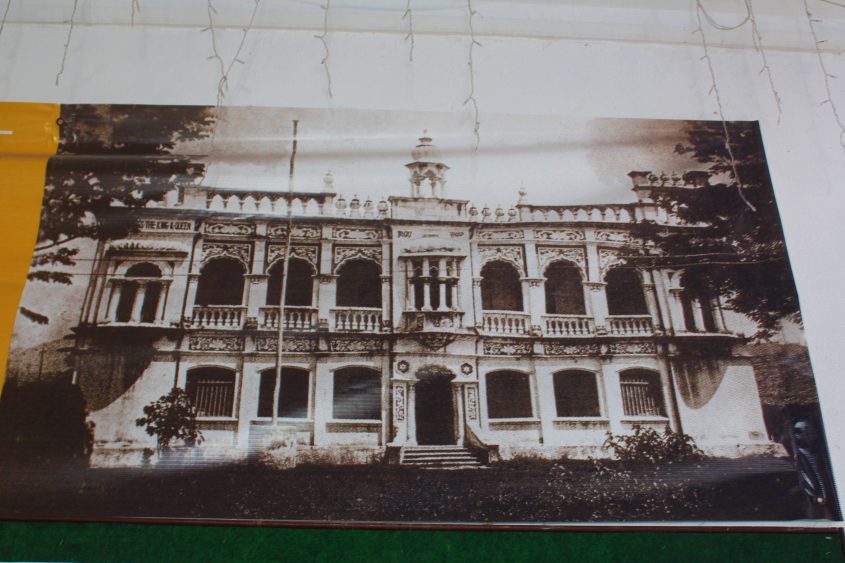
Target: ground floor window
[(508, 395), (641, 393), (212, 391), (293, 393), (576, 393), (357, 394)]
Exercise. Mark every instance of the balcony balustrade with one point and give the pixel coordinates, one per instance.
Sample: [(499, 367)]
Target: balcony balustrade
[(630, 325), (505, 322), (296, 318), (218, 316), (568, 325), (421, 321), (356, 319)]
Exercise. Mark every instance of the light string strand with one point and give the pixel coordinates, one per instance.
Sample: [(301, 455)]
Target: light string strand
[(714, 89), (67, 41), (471, 63)]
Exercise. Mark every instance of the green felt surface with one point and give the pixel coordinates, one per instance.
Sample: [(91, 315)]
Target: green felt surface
[(54, 541)]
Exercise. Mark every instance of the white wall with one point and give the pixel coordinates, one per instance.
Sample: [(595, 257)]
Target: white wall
[(578, 59)]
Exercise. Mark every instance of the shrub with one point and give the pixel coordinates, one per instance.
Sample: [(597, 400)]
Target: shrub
[(647, 445), (171, 417)]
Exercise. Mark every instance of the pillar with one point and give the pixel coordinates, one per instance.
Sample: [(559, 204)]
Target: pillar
[(442, 279), (138, 303), (537, 300), (676, 311), (669, 398), (162, 300), (426, 285), (718, 314), (460, 416), (193, 280), (698, 316), (546, 406), (114, 299), (651, 302), (612, 396), (477, 308), (598, 304), (323, 402), (412, 414)]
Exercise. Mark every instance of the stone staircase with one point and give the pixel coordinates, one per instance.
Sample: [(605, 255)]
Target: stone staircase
[(439, 457)]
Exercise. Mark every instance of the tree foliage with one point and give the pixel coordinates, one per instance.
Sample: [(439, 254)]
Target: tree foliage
[(110, 154), (737, 248), (171, 417), (647, 445)]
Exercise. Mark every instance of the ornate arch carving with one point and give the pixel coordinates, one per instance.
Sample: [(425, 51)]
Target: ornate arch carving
[(238, 251), (276, 252), (547, 255), (343, 254), (609, 258), (511, 254)]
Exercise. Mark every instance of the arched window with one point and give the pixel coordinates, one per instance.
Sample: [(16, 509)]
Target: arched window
[(625, 294), (221, 282), (131, 290), (359, 284), (293, 393), (299, 290), (642, 393), (357, 394), (576, 393), (501, 289), (508, 395), (212, 391), (564, 291)]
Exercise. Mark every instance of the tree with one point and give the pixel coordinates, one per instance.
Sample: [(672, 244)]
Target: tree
[(171, 417), (110, 154), (734, 244)]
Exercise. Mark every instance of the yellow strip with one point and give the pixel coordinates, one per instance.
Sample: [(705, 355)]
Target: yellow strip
[(29, 136)]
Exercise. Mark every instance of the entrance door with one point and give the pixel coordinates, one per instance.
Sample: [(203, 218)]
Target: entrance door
[(435, 413)]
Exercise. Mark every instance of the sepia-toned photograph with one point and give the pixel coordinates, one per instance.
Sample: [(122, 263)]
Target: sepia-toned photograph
[(355, 316)]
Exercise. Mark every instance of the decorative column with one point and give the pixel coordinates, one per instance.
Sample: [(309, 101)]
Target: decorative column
[(442, 279), (460, 416), (651, 303), (663, 299), (598, 305), (698, 316), (412, 414), (193, 280), (612, 396), (386, 280), (138, 303), (718, 314), (256, 294), (669, 398), (114, 299), (163, 294), (537, 300), (676, 310), (426, 285), (477, 309), (545, 394), (400, 412)]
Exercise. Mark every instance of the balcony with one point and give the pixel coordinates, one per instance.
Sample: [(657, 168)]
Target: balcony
[(356, 319), (296, 318), (505, 322), (568, 325), (630, 325), (218, 316)]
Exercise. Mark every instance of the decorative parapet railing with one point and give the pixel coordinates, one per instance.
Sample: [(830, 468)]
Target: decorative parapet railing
[(296, 318), (218, 316), (356, 319), (629, 325), (568, 325), (505, 322)]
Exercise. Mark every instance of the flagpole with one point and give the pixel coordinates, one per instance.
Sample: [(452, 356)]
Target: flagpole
[(280, 340)]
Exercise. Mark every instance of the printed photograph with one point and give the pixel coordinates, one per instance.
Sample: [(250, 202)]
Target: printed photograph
[(311, 315)]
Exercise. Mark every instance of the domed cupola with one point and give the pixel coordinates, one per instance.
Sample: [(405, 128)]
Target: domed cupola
[(427, 168)]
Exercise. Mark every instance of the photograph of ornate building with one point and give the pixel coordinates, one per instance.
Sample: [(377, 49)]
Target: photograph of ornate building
[(418, 329)]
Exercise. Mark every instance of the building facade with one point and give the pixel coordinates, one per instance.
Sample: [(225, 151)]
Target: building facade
[(418, 320)]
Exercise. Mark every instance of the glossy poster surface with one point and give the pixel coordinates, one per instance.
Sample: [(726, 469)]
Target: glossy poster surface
[(360, 316)]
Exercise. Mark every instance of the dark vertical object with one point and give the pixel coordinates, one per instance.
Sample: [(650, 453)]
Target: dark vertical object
[(435, 411)]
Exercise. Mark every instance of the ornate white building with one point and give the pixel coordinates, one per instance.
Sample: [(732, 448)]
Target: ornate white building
[(417, 321)]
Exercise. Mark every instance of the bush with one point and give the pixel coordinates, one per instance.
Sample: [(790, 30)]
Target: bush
[(647, 445), (171, 417)]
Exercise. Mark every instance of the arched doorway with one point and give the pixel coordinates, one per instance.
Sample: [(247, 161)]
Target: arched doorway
[(434, 405)]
